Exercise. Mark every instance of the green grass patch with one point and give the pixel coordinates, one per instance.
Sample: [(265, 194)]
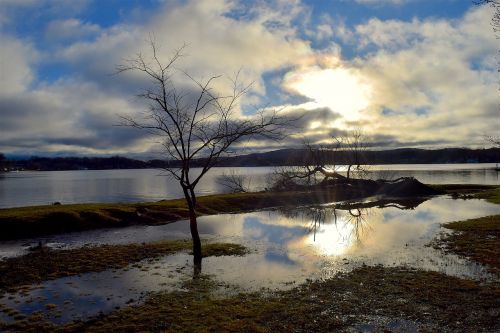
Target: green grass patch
[(46, 264), (477, 239), (491, 195), (223, 249), (463, 188)]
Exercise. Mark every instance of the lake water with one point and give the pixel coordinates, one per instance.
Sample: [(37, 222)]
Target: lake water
[(28, 188), (287, 248)]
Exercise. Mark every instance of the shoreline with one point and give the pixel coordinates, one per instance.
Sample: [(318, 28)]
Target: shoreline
[(35, 221)]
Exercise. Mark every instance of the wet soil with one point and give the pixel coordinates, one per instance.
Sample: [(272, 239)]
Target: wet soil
[(46, 264), (374, 298)]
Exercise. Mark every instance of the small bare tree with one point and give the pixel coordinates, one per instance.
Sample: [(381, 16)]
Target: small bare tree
[(234, 182), (317, 167), (494, 140), (353, 145), (321, 162), (194, 122)]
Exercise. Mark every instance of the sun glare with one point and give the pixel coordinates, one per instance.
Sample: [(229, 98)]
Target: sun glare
[(332, 240), (340, 89)]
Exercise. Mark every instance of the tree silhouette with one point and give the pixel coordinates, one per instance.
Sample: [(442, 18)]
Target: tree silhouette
[(495, 20), (194, 122)]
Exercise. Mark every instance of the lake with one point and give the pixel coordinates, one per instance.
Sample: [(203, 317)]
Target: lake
[(27, 188)]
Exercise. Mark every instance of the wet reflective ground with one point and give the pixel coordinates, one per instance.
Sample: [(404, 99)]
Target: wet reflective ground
[(287, 247)]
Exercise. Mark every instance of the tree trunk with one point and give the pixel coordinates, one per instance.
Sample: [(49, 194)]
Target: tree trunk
[(193, 226)]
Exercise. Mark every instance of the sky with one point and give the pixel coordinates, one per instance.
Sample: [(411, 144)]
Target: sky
[(407, 73)]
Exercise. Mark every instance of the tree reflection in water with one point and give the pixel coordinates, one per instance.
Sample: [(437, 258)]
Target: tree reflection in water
[(351, 217)]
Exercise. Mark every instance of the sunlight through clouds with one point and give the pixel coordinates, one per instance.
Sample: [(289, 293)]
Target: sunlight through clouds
[(342, 90), (416, 76)]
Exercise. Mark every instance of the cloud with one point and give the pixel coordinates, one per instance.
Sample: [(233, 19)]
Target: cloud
[(78, 111), (432, 79), (16, 61), (12, 11), (216, 42), (43, 120)]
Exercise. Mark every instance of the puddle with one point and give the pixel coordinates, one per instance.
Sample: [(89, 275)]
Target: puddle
[(289, 247), (382, 324), (78, 297)]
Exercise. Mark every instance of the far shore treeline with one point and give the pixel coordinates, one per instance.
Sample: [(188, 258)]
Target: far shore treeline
[(275, 158)]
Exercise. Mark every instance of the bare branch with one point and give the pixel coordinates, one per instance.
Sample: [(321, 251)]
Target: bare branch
[(198, 122), (235, 183)]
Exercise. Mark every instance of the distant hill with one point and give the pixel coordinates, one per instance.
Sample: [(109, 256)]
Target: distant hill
[(272, 158), (395, 156), (78, 163)]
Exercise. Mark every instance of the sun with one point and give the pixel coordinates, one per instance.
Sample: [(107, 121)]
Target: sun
[(341, 89)]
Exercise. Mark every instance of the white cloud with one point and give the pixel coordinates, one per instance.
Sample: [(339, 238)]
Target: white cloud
[(435, 79), (78, 113), (16, 59), (432, 80)]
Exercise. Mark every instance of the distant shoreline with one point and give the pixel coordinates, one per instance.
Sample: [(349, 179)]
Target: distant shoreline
[(469, 166), (283, 157)]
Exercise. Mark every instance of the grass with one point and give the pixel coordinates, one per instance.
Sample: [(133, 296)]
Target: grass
[(477, 239), (36, 221), (463, 188), (491, 195), (431, 300), (47, 264)]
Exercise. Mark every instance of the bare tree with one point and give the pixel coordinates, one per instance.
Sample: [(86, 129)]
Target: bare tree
[(317, 167), (234, 182), (194, 122), (321, 162), (495, 23), (494, 140), (495, 20), (353, 145)]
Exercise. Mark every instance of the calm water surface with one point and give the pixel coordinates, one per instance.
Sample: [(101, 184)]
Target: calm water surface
[(39, 188), (287, 247)]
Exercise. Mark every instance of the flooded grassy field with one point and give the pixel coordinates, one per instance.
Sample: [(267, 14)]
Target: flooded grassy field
[(285, 249)]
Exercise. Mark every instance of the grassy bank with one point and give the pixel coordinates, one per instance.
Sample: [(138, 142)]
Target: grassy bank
[(463, 188), (47, 264), (477, 239), (431, 301), (35, 221), (491, 195)]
